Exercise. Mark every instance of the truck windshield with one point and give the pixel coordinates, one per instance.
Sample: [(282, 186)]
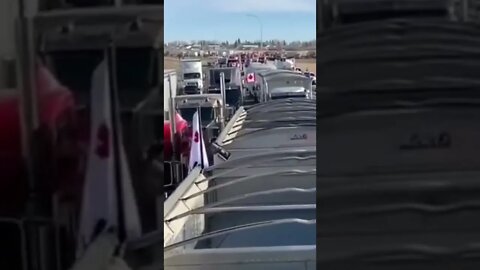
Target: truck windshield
[(216, 76), (233, 97), (207, 115), (191, 76)]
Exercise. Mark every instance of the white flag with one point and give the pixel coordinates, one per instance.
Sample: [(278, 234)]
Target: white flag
[(198, 152), (100, 191)]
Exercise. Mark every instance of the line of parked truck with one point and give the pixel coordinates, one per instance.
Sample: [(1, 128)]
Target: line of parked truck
[(260, 129), (218, 95)]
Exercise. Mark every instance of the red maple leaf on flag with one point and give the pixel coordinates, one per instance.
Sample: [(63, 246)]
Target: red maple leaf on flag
[(196, 137), (103, 142)]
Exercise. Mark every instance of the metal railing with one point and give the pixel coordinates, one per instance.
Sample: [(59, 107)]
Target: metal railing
[(176, 173), (44, 256), (54, 238)]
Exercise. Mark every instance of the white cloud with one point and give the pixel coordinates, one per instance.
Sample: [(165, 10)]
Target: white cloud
[(252, 6)]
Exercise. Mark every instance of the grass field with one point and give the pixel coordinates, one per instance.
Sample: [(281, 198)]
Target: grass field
[(310, 64)]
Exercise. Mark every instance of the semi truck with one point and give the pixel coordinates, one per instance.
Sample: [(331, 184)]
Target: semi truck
[(233, 85), (192, 76), (254, 208)]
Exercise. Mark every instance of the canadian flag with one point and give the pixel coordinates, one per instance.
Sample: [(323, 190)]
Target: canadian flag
[(250, 77), (108, 197), (198, 152)]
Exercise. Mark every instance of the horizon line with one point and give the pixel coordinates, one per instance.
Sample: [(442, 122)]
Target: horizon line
[(251, 41)]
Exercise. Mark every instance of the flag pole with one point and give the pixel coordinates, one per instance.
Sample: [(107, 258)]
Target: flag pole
[(111, 67), (200, 136)]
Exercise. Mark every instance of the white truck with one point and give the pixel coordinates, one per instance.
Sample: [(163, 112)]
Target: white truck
[(254, 209), (192, 76), (169, 90)]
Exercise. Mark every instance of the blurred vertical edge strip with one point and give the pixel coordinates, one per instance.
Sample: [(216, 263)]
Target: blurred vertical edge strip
[(160, 214), (7, 48), (7, 18), (319, 29)]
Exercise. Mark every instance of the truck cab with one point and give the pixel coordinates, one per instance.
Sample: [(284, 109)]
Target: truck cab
[(233, 85), (233, 61), (211, 111), (192, 75)]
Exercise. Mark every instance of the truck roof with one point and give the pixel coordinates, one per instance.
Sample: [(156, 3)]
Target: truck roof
[(257, 207), (191, 60), (202, 100), (199, 96)]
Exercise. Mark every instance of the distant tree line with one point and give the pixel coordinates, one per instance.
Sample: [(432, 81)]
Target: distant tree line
[(307, 55), (238, 42)]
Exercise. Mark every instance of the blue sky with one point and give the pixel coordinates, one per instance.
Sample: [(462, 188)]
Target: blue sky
[(227, 19)]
